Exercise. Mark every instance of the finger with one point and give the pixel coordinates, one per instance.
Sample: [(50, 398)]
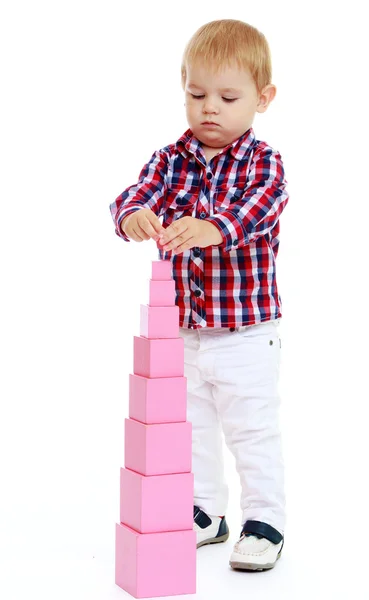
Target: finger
[(148, 227), (161, 233), (142, 232), (136, 236), (155, 226), (166, 235), (189, 243), (173, 232), (178, 241), (158, 227)]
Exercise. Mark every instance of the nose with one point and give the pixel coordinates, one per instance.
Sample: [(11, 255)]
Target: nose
[(209, 107)]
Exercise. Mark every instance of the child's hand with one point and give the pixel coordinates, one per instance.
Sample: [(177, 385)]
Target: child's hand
[(189, 232), (142, 225)]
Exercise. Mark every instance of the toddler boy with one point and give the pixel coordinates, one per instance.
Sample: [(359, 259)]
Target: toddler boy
[(221, 192)]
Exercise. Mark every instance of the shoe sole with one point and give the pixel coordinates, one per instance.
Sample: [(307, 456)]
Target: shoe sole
[(253, 566), (222, 538)]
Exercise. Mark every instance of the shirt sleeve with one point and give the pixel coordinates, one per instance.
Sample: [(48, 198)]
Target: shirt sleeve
[(148, 192), (257, 210)]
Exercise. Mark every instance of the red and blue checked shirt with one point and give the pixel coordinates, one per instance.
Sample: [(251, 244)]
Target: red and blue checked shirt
[(242, 191)]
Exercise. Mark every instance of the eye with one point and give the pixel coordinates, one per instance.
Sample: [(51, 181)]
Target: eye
[(225, 99)]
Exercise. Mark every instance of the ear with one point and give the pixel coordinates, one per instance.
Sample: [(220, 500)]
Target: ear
[(265, 98)]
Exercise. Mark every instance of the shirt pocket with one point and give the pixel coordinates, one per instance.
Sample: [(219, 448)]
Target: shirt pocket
[(225, 196), (180, 202)]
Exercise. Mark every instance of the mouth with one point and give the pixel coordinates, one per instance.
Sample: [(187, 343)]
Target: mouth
[(209, 124)]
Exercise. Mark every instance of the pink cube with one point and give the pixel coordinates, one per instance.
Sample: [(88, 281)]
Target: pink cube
[(161, 269), (156, 503), (155, 564), (159, 321), (158, 449), (160, 400), (158, 357), (162, 293)]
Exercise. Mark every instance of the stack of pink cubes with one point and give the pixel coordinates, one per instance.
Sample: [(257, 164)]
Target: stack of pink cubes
[(155, 552)]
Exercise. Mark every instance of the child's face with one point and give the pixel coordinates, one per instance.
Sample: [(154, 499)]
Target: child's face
[(206, 100)]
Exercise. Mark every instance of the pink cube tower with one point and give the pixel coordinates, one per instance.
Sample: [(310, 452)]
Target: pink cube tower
[(155, 544)]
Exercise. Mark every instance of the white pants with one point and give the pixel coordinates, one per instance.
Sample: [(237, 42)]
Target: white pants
[(232, 386)]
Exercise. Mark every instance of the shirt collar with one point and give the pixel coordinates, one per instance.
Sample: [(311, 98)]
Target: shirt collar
[(238, 149)]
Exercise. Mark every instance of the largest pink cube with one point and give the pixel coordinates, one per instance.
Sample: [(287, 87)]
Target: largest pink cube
[(158, 357), (158, 449), (155, 564), (156, 503)]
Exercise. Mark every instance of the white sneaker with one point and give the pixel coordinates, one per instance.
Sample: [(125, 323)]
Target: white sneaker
[(209, 529), (259, 547)]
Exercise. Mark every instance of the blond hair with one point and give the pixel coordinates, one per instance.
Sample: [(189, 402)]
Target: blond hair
[(227, 42)]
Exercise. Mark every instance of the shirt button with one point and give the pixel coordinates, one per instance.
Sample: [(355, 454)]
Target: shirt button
[(235, 242), (202, 215), (209, 175), (197, 293), (196, 252)]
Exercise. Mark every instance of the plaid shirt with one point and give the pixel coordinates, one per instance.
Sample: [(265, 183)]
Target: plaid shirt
[(242, 192)]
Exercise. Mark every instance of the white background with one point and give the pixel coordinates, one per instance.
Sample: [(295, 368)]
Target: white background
[(88, 91)]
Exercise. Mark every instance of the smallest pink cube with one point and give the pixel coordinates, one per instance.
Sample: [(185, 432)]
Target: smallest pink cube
[(161, 269)]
